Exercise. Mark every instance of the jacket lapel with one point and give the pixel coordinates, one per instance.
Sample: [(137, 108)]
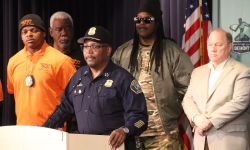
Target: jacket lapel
[(205, 74), (228, 67)]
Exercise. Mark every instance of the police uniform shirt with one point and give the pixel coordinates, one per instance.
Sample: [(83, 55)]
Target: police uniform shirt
[(112, 100)]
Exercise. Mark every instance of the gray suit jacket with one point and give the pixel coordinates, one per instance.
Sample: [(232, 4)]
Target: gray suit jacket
[(225, 106)]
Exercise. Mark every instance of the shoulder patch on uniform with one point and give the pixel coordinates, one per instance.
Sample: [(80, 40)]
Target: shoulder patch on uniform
[(135, 87), (139, 124)]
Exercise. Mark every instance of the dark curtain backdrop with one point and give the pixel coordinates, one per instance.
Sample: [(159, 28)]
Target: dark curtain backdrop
[(115, 15)]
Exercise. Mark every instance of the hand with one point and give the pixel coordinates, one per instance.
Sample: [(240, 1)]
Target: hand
[(60, 129), (116, 138), (200, 131), (199, 119), (205, 126)]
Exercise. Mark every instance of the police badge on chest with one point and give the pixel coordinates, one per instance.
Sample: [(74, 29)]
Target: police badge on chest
[(29, 80)]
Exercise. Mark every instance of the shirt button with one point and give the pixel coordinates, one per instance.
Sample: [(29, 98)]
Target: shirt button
[(88, 96), (86, 110)]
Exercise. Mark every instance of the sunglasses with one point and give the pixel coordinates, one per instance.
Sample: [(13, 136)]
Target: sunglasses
[(146, 20)]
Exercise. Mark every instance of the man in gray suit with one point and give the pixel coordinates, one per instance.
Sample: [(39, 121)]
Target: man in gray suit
[(218, 97)]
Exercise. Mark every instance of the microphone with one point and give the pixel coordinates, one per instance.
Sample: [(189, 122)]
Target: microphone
[(75, 85), (78, 81)]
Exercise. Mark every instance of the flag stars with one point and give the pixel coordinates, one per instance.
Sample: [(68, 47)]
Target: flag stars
[(191, 24)]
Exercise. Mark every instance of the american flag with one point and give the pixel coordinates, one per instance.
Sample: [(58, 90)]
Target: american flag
[(185, 132), (197, 27)]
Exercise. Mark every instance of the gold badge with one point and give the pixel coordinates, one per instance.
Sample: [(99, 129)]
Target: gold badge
[(92, 31), (108, 83)]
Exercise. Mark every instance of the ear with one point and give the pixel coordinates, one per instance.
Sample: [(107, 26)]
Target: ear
[(50, 31), (230, 46), (44, 34), (109, 51)]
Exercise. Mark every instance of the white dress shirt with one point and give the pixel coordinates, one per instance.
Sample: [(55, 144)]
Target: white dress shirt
[(214, 74)]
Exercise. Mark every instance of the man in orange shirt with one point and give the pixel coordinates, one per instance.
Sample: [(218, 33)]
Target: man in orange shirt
[(37, 74)]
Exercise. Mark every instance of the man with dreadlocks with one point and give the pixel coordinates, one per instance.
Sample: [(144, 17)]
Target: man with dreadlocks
[(163, 71)]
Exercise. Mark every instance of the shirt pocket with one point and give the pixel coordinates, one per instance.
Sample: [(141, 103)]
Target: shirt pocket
[(78, 99), (109, 101)]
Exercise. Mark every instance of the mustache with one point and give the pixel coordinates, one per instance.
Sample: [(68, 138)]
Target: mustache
[(90, 56), (64, 38), (30, 39), (139, 28)]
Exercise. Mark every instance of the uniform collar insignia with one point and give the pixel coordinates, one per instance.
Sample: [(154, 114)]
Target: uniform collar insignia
[(80, 84), (106, 74), (85, 72)]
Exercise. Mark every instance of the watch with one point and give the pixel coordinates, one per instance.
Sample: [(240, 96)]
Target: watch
[(125, 130)]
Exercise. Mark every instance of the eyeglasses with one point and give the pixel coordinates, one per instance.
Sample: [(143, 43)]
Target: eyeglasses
[(94, 46), (146, 20)]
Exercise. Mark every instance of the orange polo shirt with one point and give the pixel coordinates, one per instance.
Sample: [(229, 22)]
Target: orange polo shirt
[(1, 91), (51, 71)]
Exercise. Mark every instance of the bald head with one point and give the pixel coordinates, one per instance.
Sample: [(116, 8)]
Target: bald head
[(227, 35), (219, 45)]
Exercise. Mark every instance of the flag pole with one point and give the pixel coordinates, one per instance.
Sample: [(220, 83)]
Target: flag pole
[(201, 35)]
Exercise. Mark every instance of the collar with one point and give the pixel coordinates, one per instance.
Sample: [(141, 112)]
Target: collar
[(106, 72), (145, 46), (40, 52), (219, 67)]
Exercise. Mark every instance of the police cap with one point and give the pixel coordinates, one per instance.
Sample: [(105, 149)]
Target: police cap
[(97, 33)]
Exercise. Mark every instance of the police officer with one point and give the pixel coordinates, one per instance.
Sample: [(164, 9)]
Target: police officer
[(105, 98)]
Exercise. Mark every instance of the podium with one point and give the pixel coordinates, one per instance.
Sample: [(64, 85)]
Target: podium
[(40, 138)]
